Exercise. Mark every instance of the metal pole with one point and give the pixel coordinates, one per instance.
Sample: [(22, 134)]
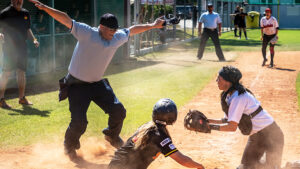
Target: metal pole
[(174, 26), (126, 25), (152, 19), (53, 39), (199, 9), (193, 10), (135, 22), (95, 13), (222, 13), (278, 11), (184, 13)]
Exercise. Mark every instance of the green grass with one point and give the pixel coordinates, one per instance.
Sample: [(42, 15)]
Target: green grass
[(138, 85), (288, 41), (298, 89)]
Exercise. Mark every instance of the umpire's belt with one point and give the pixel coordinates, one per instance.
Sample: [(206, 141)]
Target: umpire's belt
[(211, 29), (71, 80)]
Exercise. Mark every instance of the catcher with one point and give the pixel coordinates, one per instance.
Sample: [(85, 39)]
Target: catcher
[(242, 110), (151, 140)]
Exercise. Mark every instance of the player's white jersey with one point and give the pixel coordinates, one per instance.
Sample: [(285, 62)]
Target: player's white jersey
[(270, 25)]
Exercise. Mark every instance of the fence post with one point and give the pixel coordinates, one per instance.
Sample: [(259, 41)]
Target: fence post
[(174, 26), (53, 38)]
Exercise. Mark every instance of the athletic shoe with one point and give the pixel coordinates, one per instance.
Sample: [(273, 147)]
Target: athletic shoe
[(271, 65), (199, 58), (3, 104), (24, 101), (116, 142), (264, 62)]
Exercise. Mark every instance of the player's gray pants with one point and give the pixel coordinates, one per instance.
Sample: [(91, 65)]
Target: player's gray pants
[(269, 140)]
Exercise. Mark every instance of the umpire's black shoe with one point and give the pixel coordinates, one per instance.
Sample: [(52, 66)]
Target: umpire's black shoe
[(71, 153), (116, 142)]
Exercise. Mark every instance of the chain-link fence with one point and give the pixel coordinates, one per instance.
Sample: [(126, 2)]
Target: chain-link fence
[(57, 44)]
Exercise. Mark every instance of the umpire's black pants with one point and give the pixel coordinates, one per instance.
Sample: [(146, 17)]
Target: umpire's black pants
[(80, 96), (213, 34), (269, 140)]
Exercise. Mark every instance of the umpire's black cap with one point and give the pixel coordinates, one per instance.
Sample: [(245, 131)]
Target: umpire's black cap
[(209, 4), (109, 20)]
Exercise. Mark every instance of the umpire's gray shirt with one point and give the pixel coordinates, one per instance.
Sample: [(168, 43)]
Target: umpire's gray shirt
[(92, 53)]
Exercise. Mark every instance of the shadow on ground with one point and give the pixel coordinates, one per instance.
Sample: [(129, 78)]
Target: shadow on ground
[(29, 110)]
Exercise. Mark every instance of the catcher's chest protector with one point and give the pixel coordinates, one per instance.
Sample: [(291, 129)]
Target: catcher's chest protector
[(245, 124)]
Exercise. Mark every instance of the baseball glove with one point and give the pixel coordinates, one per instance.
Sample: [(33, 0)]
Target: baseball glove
[(274, 40), (196, 121)]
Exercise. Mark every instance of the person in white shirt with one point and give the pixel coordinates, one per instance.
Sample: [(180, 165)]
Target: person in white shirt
[(211, 21), (269, 30), (242, 110)]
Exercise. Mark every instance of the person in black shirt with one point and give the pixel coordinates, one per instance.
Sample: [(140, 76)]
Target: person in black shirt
[(236, 20), (14, 31), (241, 23), (151, 140)]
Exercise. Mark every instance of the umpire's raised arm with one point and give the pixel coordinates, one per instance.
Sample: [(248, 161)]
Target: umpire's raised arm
[(136, 29), (60, 16)]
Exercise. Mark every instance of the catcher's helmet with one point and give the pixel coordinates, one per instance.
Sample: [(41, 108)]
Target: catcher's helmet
[(231, 74), (165, 110)]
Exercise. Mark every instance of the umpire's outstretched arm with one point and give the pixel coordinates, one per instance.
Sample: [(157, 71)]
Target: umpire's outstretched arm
[(60, 16), (64, 19)]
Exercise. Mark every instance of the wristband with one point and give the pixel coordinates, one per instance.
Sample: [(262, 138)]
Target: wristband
[(214, 127), (34, 39)]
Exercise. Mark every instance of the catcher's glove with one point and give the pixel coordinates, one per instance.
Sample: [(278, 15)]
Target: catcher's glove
[(196, 121)]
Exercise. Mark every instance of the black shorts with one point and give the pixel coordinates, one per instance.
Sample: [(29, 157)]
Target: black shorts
[(236, 21), (242, 24), (14, 58)]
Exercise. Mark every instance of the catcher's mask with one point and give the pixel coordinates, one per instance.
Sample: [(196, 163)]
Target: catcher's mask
[(231, 74), (164, 110)]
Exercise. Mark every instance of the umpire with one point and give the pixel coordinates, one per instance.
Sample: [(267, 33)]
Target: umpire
[(211, 20), (84, 83)]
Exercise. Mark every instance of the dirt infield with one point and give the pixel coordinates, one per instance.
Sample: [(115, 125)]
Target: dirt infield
[(275, 88)]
